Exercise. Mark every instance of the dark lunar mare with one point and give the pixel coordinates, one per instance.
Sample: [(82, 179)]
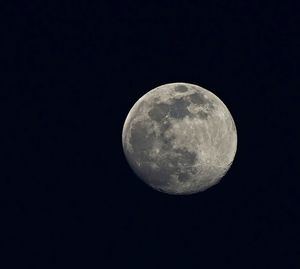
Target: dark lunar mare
[(198, 99), (169, 161), (177, 109), (158, 112), (181, 88), (142, 140)]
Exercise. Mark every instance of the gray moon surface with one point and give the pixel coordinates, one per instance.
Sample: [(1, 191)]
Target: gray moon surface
[(179, 138)]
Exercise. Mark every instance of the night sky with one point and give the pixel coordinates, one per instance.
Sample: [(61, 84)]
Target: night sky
[(73, 70)]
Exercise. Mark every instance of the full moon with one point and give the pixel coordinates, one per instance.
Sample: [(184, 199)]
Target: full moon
[(179, 138)]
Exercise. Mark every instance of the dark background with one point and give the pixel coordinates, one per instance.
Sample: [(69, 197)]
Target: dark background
[(72, 71)]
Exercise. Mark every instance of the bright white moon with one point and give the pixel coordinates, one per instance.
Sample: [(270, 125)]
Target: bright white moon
[(179, 138)]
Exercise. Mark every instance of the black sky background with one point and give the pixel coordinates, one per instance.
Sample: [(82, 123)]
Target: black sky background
[(71, 73)]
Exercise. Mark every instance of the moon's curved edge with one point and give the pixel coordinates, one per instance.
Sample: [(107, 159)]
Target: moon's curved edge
[(129, 116)]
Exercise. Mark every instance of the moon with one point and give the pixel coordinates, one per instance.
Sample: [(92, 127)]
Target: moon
[(179, 138)]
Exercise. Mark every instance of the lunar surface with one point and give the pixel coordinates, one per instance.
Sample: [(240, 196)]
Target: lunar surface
[(179, 138)]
